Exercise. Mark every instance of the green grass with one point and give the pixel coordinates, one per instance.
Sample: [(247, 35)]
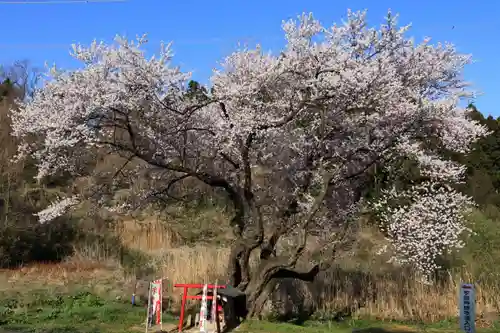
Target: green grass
[(81, 312), (361, 326)]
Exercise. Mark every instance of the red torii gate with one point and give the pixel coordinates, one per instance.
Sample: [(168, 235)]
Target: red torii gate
[(185, 297)]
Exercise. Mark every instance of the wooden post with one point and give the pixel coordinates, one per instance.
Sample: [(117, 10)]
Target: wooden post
[(149, 304), (217, 323)]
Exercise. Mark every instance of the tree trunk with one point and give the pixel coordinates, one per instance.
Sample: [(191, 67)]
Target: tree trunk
[(263, 281), (257, 306)]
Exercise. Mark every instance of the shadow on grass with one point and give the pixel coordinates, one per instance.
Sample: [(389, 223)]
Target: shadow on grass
[(266, 327), (380, 330)]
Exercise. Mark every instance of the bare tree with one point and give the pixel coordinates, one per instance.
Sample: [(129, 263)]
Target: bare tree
[(23, 77)]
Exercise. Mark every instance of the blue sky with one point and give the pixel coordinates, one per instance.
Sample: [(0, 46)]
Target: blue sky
[(204, 32)]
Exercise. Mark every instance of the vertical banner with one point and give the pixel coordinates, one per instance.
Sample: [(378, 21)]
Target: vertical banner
[(155, 303), (157, 299), (204, 310), (467, 308), (214, 304)]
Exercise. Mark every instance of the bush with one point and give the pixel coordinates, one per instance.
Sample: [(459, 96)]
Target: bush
[(22, 244), (483, 248), (479, 257)]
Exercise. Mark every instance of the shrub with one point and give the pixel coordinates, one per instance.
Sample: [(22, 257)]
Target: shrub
[(21, 244)]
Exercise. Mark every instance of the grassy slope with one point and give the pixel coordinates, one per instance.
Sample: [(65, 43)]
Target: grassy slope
[(61, 299), (84, 312)]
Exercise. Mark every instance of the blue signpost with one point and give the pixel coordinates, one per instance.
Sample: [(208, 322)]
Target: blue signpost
[(467, 308)]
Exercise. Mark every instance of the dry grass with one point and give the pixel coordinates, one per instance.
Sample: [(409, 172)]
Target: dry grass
[(383, 294), (64, 277), (402, 297), (148, 235)]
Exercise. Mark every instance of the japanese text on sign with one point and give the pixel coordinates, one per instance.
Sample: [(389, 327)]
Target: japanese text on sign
[(467, 308)]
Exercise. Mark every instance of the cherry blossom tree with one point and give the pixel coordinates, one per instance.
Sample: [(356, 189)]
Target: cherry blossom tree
[(289, 139)]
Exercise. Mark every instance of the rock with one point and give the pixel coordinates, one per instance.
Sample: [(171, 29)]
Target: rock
[(291, 299)]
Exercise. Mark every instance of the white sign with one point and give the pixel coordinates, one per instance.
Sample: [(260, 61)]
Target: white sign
[(467, 308), (154, 304), (204, 310)]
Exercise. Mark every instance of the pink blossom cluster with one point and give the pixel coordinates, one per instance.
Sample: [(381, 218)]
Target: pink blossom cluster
[(428, 222), (57, 209), (303, 126)]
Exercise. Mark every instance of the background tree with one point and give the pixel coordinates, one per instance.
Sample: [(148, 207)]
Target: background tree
[(483, 163), (22, 78), (289, 139), (22, 238)]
